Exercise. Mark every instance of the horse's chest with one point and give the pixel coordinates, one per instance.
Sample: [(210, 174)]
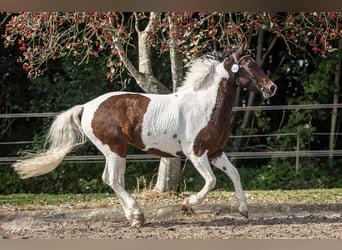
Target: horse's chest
[(214, 136)]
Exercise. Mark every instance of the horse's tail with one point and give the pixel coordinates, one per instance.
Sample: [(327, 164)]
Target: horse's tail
[(65, 134)]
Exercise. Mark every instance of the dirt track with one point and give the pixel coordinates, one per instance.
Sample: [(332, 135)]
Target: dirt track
[(211, 222)]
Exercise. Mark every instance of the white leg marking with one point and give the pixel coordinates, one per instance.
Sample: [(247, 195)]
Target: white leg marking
[(203, 167), (114, 172), (113, 175), (226, 166)]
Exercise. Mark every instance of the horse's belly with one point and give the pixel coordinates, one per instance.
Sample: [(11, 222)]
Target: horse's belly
[(166, 141)]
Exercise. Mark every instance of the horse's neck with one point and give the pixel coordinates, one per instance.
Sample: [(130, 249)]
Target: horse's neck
[(224, 103)]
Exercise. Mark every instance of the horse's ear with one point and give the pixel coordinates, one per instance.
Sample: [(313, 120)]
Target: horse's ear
[(241, 50), (244, 47)]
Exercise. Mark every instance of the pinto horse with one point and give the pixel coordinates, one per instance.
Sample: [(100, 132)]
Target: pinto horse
[(194, 122)]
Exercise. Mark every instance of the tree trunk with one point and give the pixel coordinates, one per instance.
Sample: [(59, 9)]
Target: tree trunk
[(169, 168), (335, 101), (168, 175)]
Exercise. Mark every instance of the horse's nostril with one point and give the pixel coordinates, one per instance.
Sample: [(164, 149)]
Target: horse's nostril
[(273, 88)]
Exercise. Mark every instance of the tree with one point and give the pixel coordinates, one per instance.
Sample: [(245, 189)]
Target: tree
[(47, 36), (332, 138), (53, 35)]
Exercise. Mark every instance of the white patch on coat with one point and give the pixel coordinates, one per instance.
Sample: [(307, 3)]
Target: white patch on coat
[(201, 72), (172, 122)]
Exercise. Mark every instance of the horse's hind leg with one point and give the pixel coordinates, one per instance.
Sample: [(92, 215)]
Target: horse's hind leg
[(227, 167), (113, 175), (203, 167)]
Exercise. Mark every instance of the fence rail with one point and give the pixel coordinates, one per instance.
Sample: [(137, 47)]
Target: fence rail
[(251, 108), (235, 155)]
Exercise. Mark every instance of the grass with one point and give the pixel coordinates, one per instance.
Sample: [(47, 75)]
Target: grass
[(306, 196), (149, 198)]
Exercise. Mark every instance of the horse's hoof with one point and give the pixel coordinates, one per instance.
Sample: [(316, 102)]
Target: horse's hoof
[(244, 213), (138, 225), (187, 211), (138, 221)]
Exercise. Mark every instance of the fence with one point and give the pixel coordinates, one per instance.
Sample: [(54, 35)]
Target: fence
[(237, 155)]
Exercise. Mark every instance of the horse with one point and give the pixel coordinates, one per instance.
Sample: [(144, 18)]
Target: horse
[(193, 122)]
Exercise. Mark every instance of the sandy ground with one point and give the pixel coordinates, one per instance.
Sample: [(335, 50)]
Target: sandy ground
[(210, 222)]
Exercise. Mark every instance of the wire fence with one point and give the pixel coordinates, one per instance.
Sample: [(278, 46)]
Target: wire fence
[(251, 108), (235, 155)]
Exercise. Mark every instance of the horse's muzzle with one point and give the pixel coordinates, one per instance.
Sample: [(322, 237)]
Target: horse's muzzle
[(269, 92)]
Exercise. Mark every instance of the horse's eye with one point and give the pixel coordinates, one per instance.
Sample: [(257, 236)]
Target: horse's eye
[(250, 65)]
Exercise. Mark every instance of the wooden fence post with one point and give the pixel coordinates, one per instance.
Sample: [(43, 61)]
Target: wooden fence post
[(297, 153)]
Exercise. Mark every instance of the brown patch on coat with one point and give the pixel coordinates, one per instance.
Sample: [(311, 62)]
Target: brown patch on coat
[(117, 122), (215, 135), (158, 152), (180, 154)]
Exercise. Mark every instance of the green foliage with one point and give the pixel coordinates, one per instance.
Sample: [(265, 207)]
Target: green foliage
[(312, 173), (76, 178), (66, 84), (299, 126), (263, 121), (320, 82), (140, 173), (279, 174), (86, 178)]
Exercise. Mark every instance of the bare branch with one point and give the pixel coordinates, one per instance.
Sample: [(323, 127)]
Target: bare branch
[(136, 22), (268, 50), (148, 83)]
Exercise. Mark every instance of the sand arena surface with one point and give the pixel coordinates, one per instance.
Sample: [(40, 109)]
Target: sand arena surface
[(212, 221)]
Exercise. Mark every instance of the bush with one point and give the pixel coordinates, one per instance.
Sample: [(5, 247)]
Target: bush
[(281, 174)]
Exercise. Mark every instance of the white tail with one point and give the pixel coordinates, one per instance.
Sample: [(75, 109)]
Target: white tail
[(65, 134)]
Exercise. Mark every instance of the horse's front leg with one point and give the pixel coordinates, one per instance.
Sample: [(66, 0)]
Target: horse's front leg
[(226, 166), (203, 167)]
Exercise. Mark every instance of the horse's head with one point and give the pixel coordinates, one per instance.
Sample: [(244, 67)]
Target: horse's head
[(246, 73)]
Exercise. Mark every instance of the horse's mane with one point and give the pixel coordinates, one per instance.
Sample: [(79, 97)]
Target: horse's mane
[(202, 69)]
